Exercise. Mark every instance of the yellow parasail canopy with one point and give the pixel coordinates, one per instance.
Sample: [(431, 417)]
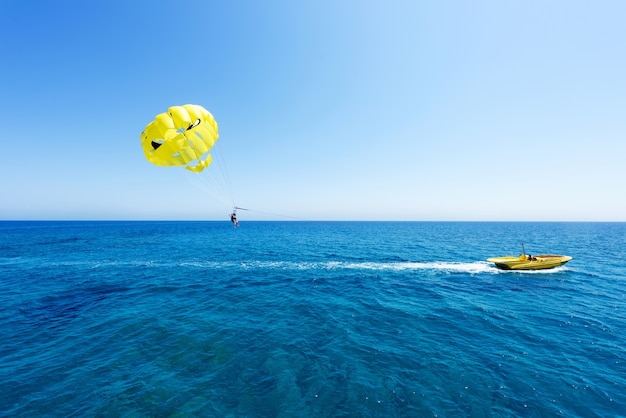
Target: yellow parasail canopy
[(182, 136)]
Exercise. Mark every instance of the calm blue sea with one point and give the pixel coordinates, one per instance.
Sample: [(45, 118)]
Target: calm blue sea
[(310, 319)]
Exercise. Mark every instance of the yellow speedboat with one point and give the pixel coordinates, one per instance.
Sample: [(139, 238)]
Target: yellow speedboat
[(529, 262)]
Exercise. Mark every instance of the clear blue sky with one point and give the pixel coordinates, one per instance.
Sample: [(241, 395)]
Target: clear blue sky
[(356, 110)]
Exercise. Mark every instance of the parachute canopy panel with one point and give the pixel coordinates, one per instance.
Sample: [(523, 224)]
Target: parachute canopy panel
[(181, 136)]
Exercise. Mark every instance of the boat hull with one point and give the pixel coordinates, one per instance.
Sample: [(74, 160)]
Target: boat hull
[(524, 262)]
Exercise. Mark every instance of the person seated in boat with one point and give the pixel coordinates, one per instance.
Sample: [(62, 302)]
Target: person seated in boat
[(531, 258)]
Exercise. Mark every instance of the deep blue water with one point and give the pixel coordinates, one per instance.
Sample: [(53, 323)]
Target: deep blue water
[(310, 319)]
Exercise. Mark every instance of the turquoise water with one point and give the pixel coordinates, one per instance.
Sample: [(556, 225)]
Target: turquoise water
[(310, 319)]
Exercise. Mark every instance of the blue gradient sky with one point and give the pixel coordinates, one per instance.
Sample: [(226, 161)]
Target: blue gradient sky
[(356, 110)]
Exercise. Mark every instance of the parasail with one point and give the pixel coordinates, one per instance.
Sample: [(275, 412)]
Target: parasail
[(182, 136)]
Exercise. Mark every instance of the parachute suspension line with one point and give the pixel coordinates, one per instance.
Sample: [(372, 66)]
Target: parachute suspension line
[(207, 181), (274, 214), (222, 170), (215, 179)]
